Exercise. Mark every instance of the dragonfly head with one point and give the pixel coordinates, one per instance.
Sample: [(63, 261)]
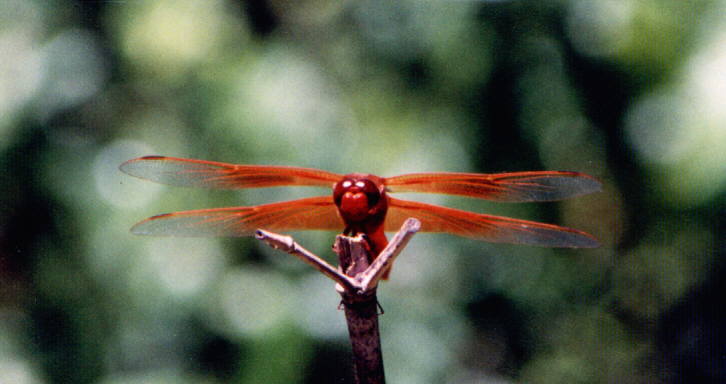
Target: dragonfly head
[(360, 197)]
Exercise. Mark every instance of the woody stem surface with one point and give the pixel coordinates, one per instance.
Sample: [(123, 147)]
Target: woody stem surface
[(357, 280), (361, 313)]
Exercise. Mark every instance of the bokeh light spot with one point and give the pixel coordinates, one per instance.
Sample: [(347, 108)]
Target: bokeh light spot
[(74, 71), (21, 69), (185, 267), (599, 27), (316, 306), (252, 302), (114, 186)]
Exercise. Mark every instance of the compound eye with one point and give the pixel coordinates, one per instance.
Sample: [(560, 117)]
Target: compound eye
[(370, 190), (347, 184)]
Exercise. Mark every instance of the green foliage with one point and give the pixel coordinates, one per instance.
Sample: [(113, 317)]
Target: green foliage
[(628, 91)]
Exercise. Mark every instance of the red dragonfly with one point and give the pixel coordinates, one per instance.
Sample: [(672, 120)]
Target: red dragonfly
[(360, 202)]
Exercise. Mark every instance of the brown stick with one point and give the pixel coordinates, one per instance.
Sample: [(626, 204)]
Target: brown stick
[(288, 245), (361, 313), (357, 282)]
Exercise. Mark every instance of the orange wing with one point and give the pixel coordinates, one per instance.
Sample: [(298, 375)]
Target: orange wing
[(210, 174), (495, 229), (512, 187), (314, 213)]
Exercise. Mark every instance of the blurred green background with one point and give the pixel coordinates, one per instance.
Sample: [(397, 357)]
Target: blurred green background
[(629, 91)]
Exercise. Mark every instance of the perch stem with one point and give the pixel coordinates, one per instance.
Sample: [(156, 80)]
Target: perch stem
[(357, 281), (361, 313)]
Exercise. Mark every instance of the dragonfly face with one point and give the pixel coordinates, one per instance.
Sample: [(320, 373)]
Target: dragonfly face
[(361, 201)]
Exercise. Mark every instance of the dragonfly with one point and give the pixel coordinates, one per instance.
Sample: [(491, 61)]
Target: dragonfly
[(360, 203)]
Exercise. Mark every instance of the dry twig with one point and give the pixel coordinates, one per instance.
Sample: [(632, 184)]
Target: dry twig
[(356, 282)]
